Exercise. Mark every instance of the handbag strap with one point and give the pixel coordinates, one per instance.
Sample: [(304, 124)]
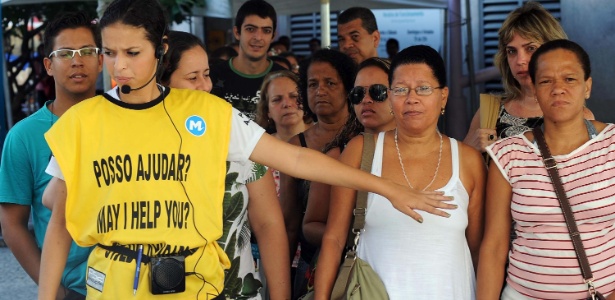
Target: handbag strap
[(575, 236), (360, 209), (359, 212)]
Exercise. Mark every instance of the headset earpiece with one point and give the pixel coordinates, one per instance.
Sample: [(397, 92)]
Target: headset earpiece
[(160, 52)]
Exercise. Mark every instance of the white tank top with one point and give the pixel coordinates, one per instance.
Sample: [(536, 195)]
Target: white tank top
[(419, 261)]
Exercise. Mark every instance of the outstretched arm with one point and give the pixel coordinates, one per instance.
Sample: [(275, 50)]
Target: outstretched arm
[(57, 241), (315, 166)]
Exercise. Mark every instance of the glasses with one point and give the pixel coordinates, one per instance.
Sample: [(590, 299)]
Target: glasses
[(420, 90), (69, 54), (377, 92)]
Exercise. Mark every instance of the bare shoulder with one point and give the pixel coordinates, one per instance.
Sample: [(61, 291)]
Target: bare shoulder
[(353, 151), (355, 144), (470, 157), (599, 125), (334, 153)]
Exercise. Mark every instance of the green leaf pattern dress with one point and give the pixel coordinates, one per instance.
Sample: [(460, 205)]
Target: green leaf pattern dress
[(241, 281)]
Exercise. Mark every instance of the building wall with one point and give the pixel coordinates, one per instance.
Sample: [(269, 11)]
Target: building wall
[(590, 23)]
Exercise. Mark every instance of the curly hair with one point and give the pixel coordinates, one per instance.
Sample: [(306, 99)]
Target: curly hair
[(345, 67), (262, 107)]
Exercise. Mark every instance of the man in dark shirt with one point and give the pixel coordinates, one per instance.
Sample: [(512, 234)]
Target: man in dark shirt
[(357, 33), (239, 79)]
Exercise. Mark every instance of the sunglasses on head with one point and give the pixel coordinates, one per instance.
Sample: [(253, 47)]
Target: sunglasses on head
[(378, 93)]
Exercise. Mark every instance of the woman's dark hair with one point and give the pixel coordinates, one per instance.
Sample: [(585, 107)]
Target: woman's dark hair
[(571, 46), (68, 20), (420, 54), (382, 63), (345, 67), (353, 127), (179, 42), (146, 14)]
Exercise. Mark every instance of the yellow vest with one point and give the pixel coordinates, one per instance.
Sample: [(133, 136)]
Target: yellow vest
[(149, 174)]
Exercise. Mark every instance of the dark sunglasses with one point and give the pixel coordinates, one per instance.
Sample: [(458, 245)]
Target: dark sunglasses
[(378, 93)]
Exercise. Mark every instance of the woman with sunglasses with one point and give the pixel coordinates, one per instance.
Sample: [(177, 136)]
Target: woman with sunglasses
[(371, 113), (433, 259)]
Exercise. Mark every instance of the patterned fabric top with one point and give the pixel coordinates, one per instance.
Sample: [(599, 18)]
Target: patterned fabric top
[(508, 125), (542, 260)]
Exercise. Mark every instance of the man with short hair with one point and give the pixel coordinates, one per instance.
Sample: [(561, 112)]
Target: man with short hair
[(357, 33), (239, 80), (74, 60)]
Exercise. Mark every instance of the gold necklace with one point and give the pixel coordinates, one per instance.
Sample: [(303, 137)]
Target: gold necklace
[(403, 170)]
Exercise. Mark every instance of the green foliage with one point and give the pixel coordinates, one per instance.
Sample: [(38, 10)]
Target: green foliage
[(251, 286), (20, 14), (232, 282)]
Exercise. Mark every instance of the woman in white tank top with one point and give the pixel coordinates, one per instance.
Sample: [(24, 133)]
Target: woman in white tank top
[(435, 257)]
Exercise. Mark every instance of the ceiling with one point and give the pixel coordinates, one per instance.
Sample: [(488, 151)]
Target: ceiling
[(291, 7), (220, 8), (22, 2)]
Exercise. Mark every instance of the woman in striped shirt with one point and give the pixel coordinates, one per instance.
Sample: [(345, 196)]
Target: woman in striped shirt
[(542, 261)]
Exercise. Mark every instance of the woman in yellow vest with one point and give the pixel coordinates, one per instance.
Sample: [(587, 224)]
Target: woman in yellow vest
[(139, 172), (249, 191)]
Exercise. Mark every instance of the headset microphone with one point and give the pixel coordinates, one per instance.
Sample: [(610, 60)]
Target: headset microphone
[(126, 89)]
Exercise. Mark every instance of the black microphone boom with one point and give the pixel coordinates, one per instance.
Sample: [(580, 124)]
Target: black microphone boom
[(126, 89)]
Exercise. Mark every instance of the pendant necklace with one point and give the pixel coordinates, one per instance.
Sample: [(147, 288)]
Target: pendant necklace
[(403, 170)]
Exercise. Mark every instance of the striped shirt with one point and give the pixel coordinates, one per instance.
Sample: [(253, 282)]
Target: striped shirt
[(542, 260)]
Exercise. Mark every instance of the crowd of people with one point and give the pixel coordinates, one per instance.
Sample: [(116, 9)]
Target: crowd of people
[(233, 174)]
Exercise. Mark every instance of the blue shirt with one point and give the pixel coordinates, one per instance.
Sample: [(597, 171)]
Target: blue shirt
[(25, 156)]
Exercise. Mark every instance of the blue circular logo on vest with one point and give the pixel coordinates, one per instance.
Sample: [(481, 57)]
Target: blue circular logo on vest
[(196, 125)]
